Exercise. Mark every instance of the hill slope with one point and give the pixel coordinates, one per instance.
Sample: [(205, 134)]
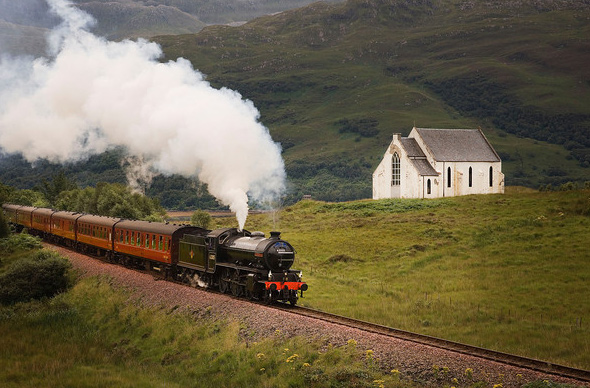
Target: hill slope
[(333, 82), (507, 272)]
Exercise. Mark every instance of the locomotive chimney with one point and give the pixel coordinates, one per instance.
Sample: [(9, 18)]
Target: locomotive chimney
[(275, 235)]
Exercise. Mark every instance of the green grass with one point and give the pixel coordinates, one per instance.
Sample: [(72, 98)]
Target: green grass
[(93, 337), (508, 272)]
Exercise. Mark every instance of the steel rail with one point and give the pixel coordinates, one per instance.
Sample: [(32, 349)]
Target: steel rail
[(488, 354)]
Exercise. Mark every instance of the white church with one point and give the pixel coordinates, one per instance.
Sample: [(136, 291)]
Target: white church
[(433, 163)]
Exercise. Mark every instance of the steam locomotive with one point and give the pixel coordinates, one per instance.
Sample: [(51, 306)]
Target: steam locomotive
[(242, 263)]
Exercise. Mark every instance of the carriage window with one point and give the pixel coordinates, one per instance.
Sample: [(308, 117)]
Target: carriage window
[(153, 241), (138, 242), (160, 245), (166, 244)]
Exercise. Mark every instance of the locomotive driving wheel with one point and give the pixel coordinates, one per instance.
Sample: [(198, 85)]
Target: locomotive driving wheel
[(224, 281), (236, 288)]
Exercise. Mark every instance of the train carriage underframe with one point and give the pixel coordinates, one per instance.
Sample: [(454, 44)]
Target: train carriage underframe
[(228, 279)]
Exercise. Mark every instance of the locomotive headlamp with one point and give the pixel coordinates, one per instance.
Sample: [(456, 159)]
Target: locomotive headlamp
[(269, 275), (300, 275)]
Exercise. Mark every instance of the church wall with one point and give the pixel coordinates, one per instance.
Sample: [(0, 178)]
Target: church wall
[(480, 178)]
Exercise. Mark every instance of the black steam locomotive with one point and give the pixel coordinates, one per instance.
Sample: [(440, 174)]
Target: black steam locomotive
[(237, 262)]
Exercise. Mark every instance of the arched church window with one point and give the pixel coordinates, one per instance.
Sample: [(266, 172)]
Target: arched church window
[(470, 177), (395, 170), (491, 176), (449, 177), (428, 187)]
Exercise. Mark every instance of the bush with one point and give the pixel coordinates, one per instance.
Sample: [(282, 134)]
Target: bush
[(19, 242), (43, 274), (201, 219)]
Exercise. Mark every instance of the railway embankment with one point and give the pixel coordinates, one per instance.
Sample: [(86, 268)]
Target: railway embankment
[(408, 360)]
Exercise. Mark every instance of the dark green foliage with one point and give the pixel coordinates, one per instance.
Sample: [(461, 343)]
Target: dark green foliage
[(177, 192), (19, 242), (113, 200), (60, 182), (477, 96), (201, 218), (44, 274), (5, 193), (4, 230), (366, 127)]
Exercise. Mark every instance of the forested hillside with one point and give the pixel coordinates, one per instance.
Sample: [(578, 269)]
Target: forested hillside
[(333, 82)]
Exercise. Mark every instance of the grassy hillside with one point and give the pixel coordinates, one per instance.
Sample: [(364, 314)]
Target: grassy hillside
[(333, 82), (508, 272)]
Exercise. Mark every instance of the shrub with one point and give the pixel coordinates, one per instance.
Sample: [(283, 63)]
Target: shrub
[(43, 274), (19, 242), (201, 219)]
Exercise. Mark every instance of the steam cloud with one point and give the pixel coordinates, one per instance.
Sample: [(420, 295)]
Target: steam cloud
[(93, 95)]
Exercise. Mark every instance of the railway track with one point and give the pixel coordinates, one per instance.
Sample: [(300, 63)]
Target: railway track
[(505, 358), (487, 354)]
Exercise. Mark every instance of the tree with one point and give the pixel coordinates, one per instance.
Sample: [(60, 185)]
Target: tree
[(4, 230), (5, 193), (201, 219), (59, 183)]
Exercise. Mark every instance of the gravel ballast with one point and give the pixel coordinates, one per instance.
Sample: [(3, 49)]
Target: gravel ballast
[(424, 364)]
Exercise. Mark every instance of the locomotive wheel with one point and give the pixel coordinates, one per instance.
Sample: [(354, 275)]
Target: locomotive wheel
[(223, 285), (236, 288), (224, 281)]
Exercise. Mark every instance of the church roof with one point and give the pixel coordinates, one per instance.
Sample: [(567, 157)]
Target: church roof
[(424, 167), (417, 156), (412, 147), (458, 145)]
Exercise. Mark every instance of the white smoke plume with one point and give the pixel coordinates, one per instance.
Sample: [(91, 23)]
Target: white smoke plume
[(138, 172), (93, 95)]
